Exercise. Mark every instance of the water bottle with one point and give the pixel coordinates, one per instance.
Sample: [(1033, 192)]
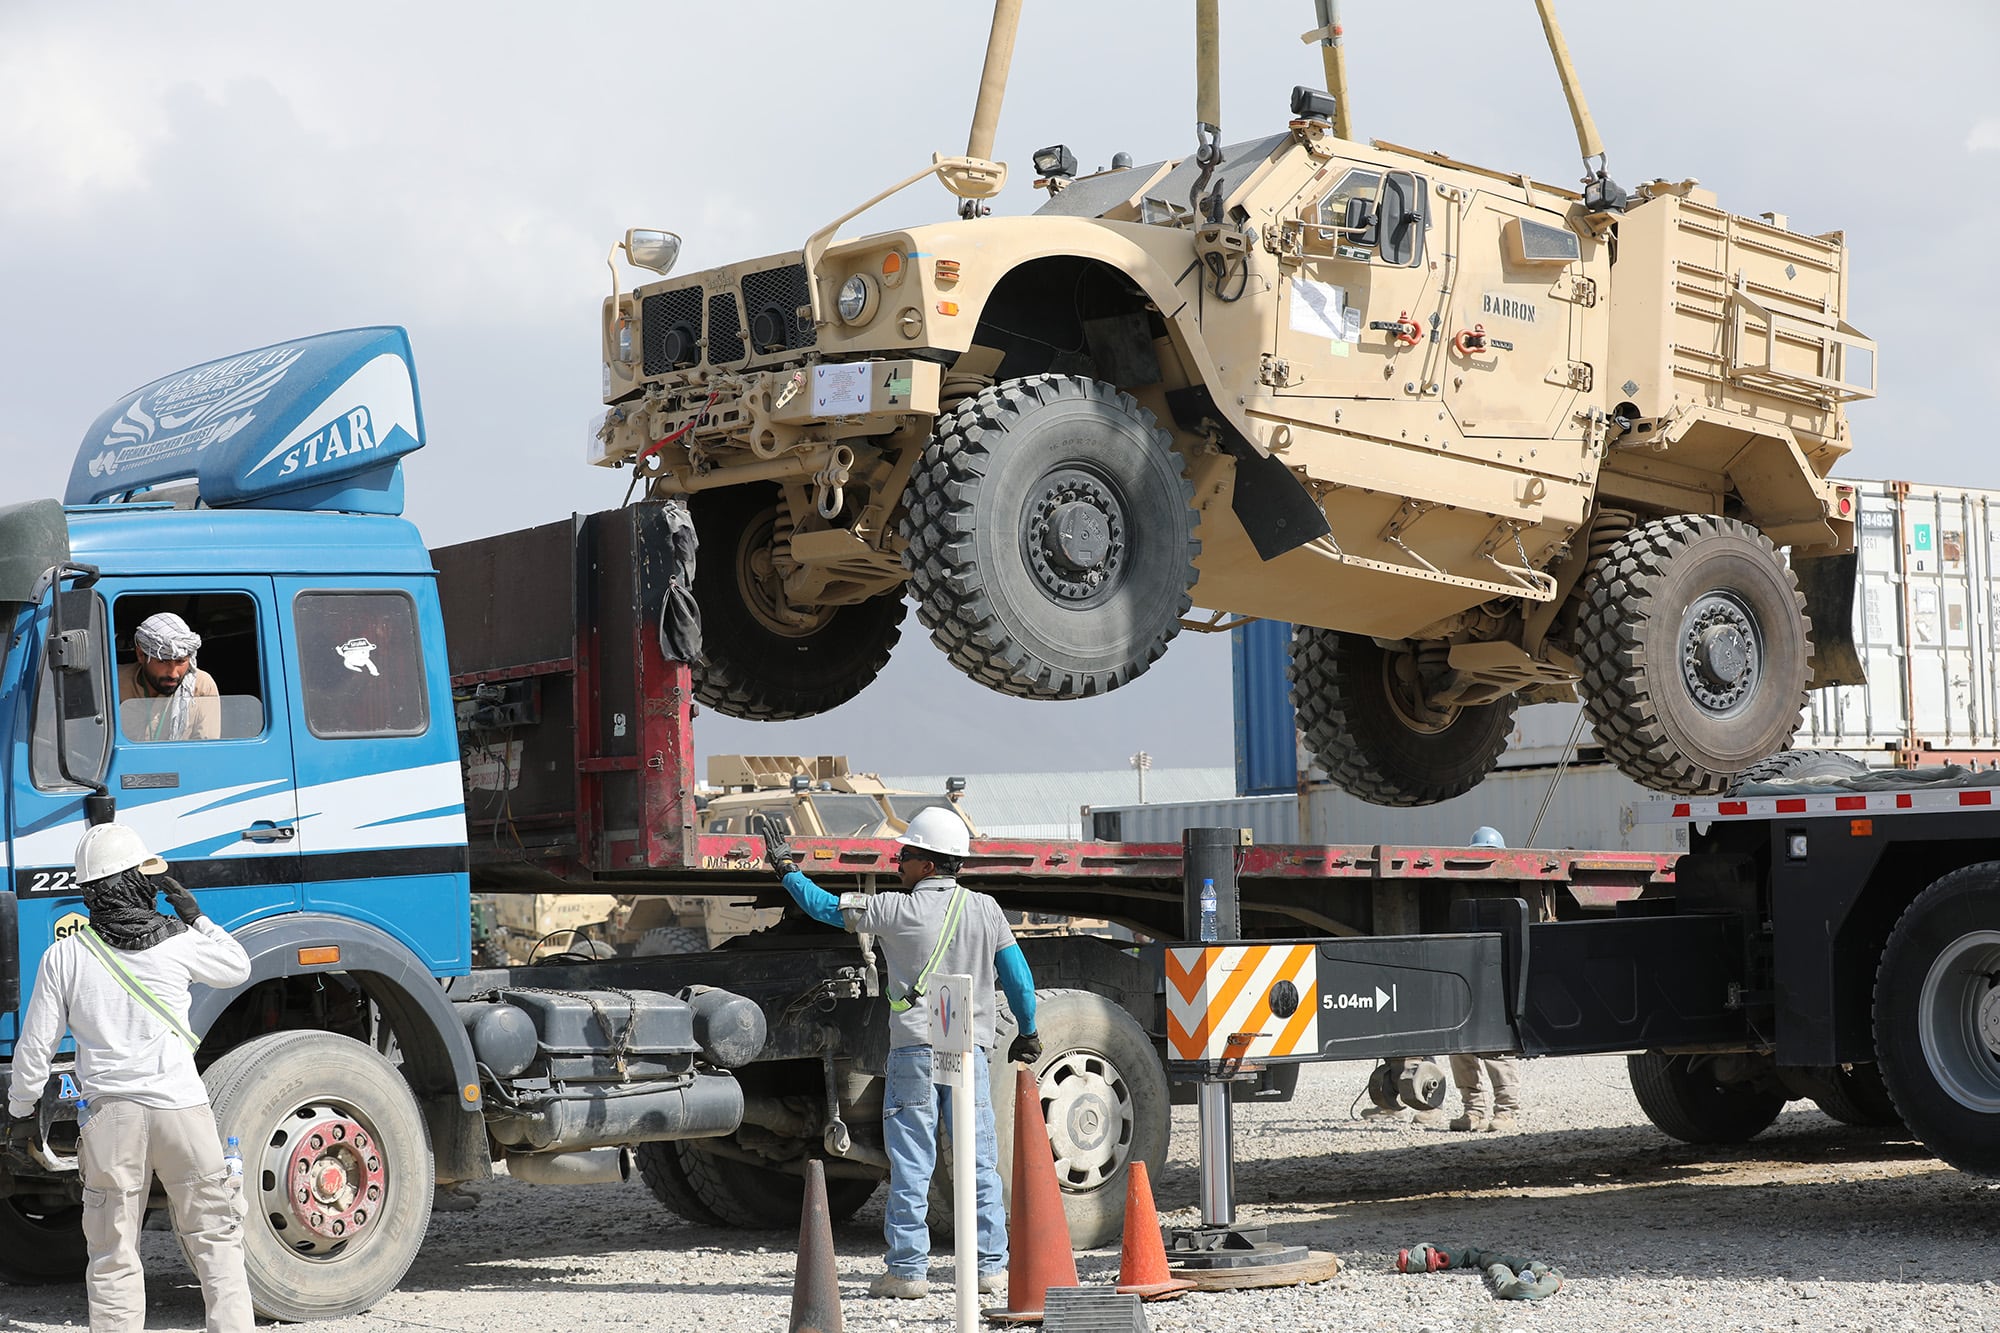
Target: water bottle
[(82, 1113), (1208, 909), (232, 1163)]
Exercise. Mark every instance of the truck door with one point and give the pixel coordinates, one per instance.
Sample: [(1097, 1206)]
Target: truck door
[(1366, 278), (1514, 371), (212, 793), (381, 801)]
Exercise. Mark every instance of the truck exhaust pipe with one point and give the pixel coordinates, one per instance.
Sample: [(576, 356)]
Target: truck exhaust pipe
[(599, 1166)]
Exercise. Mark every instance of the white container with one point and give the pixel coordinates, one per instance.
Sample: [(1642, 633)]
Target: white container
[(1925, 619)]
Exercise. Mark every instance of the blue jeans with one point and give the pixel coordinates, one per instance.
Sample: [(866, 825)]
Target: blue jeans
[(911, 1104)]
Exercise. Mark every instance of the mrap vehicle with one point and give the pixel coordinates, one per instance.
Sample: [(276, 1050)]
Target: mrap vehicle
[(397, 726)]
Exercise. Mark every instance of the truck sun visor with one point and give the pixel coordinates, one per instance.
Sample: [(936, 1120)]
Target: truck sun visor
[(316, 423)]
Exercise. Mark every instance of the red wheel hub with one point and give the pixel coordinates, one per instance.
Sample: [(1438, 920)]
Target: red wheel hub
[(336, 1178)]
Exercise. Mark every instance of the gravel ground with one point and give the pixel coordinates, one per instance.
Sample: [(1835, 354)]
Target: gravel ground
[(1814, 1225)]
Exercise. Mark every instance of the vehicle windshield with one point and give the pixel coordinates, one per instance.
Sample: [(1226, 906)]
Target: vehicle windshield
[(846, 815)]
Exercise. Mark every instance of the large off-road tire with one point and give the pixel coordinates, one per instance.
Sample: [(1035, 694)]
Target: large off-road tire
[(330, 1116), (1685, 1102), (755, 662), (1051, 538), (1798, 766), (1361, 708), (1693, 643), (41, 1243), (663, 940), (1856, 1095), (711, 1190), (1937, 1017)]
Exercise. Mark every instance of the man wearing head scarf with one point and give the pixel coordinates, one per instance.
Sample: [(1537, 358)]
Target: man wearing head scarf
[(164, 696), (120, 986)]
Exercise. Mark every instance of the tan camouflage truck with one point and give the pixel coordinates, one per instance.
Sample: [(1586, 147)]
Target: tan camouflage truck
[(1483, 439), (792, 795)]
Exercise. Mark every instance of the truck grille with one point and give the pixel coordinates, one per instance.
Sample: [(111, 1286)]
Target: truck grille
[(772, 299), (725, 330), (670, 325)]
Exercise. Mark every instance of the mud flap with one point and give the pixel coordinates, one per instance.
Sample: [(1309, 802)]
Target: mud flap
[(1828, 582), (1276, 510)]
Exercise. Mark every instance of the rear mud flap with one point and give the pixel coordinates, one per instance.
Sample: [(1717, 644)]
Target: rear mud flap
[(1828, 582)]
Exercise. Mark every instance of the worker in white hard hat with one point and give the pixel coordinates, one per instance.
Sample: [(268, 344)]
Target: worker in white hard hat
[(936, 926), (120, 987), (1489, 1085), (162, 694)]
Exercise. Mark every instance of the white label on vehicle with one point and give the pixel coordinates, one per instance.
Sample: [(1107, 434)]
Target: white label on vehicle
[(1318, 310), (840, 390), (494, 767)]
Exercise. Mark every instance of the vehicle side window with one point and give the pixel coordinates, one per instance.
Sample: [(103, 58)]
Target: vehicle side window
[(1356, 184), (361, 664), (225, 700), (86, 736)]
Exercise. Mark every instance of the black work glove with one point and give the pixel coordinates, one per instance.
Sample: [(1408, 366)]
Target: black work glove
[(1026, 1050), (16, 1137), (776, 850), (180, 899)]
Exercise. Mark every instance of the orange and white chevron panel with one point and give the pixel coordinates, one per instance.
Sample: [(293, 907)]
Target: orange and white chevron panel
[(1219, 1001)]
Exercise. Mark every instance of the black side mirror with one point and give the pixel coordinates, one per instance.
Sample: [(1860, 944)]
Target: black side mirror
[(1357, 221)]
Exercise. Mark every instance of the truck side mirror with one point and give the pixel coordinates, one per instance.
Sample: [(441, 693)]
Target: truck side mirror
[(1401, 219), (1357, 220)]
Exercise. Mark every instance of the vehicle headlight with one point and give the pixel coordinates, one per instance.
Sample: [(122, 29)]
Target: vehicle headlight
[(857, 299)]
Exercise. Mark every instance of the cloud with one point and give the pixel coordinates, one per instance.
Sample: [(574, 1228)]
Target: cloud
[(1985, 136)]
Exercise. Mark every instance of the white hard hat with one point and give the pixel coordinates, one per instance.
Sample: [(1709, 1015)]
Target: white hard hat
[(111, 849), (1487, 836), (936, 829)]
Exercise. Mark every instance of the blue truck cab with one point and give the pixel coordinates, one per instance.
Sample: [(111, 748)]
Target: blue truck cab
[(309, 793)]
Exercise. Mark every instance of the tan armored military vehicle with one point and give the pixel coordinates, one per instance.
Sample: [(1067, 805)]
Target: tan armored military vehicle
[(1483, 439), (791, 795)]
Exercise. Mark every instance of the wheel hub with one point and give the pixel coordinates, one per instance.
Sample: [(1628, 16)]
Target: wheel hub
[(1719, 652), (1989, 1020), (1089, 1113), (1075, 538), (334, 1179), (1958, 1020)]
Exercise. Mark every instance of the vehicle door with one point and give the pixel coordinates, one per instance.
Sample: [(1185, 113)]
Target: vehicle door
[(215, 797), (1514, 370), (1355, 316), (381, 802)]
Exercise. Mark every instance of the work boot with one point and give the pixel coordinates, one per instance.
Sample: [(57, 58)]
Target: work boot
[(1432, 1119), (1473, 1122), (892, 1287), (995, 1281), (1504, 1122), (1381, 1113)]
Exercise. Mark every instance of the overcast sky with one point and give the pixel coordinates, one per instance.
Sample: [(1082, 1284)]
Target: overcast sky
[(178, 182)]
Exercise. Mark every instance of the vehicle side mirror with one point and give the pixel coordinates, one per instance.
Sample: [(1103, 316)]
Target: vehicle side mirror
[(1357, 220), (655, 250)]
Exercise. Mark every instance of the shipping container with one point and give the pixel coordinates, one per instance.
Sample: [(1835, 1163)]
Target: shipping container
[(1925, 621), (1267, 755), (1594, 807)]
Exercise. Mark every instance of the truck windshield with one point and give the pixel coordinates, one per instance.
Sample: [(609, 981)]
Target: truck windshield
[(844, 815)]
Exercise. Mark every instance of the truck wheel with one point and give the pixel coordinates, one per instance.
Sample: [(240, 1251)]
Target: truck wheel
[(1798, 766), (712, 1190), (1937, 1018), (1855, 1095), (1684, 1101), (337, 1169), (41, 1243), (757, 662), (1104, 1098), (1694, 640), (663, 940), (1051, 538), (1362, 710)]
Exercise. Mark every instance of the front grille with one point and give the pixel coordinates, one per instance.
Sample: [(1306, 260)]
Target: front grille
[(725, 330), (670, 330), (772, 300)]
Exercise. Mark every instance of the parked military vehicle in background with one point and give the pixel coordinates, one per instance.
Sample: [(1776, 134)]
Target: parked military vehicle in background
[(1485, 440), (794, 796)]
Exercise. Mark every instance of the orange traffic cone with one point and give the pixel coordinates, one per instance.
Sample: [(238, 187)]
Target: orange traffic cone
[(1142, 1262), (816, 1279), (1038, 1253)]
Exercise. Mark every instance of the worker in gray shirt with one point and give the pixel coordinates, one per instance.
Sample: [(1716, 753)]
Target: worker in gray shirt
[(937, 926), (120, 986)]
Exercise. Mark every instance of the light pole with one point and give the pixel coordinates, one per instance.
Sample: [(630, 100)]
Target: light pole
[(1142, 761)]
